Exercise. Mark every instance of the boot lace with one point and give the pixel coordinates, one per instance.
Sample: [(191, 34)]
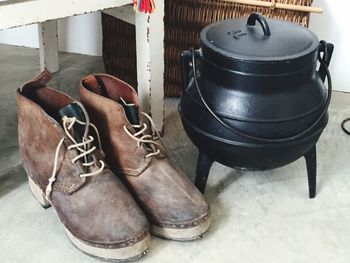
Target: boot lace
[(84, 149), (150, 141)]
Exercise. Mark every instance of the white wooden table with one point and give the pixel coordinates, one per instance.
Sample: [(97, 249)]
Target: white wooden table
[(149, 38)]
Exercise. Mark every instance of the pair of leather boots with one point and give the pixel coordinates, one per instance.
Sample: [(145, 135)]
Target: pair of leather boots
[(107, 200)]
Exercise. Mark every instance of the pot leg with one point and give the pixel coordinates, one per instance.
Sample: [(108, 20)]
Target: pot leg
[(310, 158), (204, 163)]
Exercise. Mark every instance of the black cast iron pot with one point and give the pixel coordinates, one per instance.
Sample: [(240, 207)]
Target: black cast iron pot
[(257, 99)]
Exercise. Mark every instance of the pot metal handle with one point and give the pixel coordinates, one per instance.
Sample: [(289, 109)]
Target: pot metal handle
[(262, 21), (261, 139), (186, 67), (327, 50)]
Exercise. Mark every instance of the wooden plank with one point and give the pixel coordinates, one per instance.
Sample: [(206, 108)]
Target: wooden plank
[(48, 43), (15, 13), (273, 4)]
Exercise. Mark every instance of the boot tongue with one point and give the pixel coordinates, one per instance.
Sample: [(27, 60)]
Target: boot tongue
[(131, 111), (74, 110)]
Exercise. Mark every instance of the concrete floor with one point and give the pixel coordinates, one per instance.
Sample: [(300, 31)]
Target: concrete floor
[(263, 217)]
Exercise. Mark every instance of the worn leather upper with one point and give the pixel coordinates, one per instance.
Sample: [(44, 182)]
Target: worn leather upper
[(166, 195), (39, 134), (109, 116), (98, 210)]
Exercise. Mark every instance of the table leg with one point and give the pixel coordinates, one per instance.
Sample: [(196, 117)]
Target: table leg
[(143, 62), (157, 65), (48, 44), (150, 62)]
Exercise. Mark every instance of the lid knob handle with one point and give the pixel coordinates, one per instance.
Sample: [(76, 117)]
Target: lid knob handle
[(262, 21)]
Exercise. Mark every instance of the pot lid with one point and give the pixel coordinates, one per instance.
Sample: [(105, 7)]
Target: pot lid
[(268, 40)]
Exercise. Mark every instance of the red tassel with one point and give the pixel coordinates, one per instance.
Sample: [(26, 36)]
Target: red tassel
[(146, 6)]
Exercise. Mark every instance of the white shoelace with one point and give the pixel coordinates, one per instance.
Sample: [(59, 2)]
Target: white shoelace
[(84, 149), (149, 141)]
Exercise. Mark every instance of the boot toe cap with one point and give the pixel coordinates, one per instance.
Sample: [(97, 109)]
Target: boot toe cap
[(102, 219), (175, 208)]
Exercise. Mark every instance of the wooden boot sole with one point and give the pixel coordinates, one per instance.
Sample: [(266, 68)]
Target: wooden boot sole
[(128, 253)]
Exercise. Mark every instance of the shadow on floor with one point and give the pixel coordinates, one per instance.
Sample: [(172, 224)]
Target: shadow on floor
[(12, 179), (212, 192)]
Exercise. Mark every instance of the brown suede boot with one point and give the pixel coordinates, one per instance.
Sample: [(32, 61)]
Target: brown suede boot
[(176, 209), (65, 170)]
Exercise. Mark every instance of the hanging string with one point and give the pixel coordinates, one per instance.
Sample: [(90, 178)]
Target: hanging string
[(145, 6)]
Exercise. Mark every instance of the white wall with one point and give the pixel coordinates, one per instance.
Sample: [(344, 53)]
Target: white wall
[(22, 36), (79, 34), (334, 27), (82, 34)]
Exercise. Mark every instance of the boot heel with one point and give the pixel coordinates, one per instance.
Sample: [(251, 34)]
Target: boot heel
[(38, 194)]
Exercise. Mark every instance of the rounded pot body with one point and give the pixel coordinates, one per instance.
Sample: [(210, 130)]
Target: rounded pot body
[(278, 114), (269, 103), (249, 156)]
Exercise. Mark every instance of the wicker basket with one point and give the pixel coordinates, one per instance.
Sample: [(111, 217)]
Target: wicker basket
[(119, 48), (184, 19)]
